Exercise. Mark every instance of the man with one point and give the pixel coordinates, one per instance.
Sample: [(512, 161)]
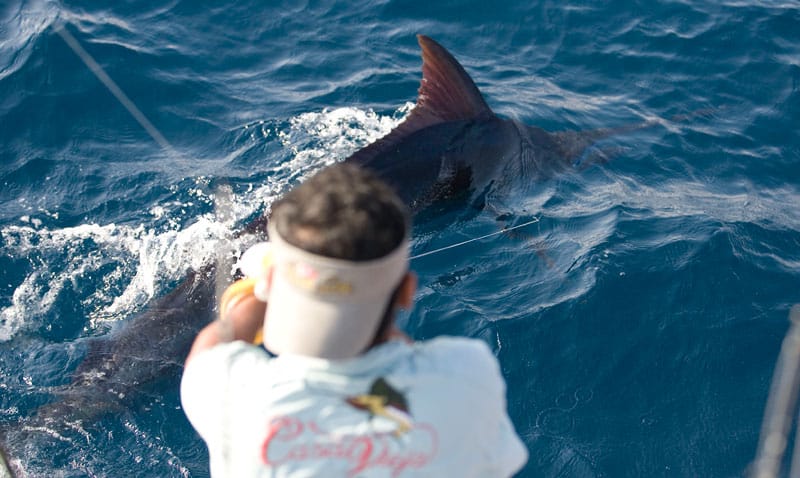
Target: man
[(337, 390)]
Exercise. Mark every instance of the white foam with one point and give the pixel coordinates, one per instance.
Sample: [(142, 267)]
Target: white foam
[(135, 262), (320, 139)]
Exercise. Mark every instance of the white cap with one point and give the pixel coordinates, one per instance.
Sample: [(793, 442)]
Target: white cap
[(319, 306)]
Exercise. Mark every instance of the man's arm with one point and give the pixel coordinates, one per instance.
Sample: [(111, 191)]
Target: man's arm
[(242, 320)]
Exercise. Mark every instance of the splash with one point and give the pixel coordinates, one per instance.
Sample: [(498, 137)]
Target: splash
[(320, 139), (113, 270), (71, 260)]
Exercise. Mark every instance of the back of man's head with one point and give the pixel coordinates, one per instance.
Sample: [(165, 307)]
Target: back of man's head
[(340, 257), (342, 212)]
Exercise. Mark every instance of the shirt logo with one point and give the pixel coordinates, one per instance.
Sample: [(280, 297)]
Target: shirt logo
[(292, 442), (385, 401)]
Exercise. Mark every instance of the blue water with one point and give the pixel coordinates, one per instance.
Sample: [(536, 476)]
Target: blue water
[(637, 323)]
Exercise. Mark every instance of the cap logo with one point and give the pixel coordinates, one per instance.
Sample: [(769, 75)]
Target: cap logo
[(306, 277)]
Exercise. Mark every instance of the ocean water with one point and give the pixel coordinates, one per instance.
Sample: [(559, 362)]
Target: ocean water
[(637, 322)]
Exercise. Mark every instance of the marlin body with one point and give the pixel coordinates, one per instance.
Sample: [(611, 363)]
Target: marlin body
[(154, 344), (452, 144)]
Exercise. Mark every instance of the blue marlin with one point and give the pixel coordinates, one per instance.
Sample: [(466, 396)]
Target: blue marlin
[(451, 145)]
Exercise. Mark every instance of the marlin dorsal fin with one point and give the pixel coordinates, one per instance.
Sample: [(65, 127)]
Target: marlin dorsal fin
[(446, 93)]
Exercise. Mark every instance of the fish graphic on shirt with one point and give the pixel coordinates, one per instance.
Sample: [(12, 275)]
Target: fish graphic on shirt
[(385, 401)]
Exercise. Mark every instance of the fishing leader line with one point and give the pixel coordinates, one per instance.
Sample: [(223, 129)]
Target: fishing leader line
[(458, 244)]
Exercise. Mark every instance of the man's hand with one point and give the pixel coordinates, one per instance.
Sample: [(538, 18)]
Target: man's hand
[(241, 318)]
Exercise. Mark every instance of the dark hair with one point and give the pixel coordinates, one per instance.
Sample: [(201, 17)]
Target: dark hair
[(343, 212)]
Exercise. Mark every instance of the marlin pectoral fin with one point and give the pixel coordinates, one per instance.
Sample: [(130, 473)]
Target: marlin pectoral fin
[(520, 232), (446, 93), (541, 250)]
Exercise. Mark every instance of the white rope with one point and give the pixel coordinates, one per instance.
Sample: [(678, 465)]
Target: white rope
[(113, 88), (504, 230)]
